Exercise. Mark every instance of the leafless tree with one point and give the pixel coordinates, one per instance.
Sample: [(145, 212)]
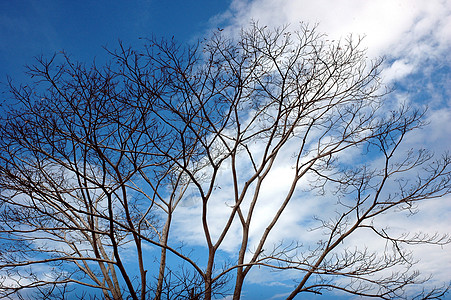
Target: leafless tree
[(95, 163)]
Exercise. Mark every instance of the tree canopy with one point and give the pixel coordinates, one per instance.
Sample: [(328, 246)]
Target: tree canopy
[(150, 177)]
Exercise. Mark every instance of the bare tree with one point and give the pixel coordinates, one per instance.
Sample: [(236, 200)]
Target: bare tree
[(95, 163)]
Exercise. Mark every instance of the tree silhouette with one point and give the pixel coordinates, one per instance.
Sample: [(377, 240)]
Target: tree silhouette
[(97, 164)]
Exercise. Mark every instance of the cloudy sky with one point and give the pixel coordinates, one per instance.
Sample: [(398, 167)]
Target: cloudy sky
[(414, 37)]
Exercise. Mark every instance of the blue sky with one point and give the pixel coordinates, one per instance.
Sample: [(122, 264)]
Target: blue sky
[(414, 36), (30, 28)]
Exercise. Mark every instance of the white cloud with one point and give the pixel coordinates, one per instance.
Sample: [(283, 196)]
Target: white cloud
[(397, 70), (413, 31)]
